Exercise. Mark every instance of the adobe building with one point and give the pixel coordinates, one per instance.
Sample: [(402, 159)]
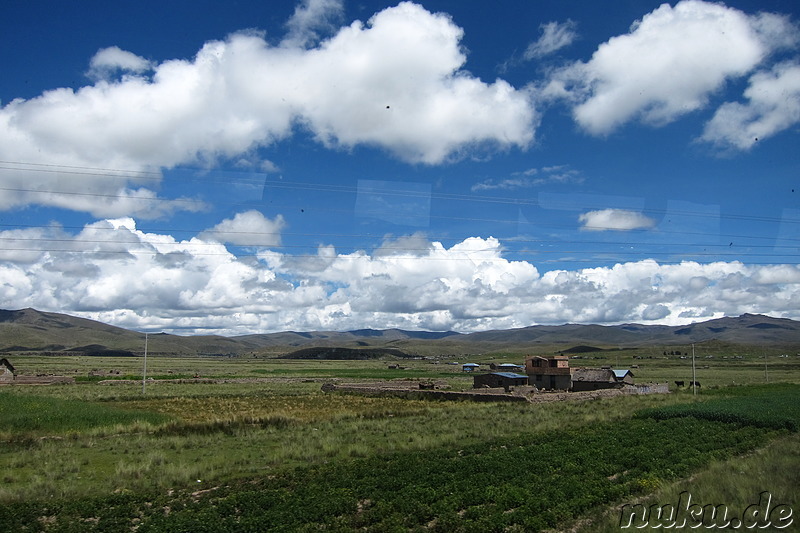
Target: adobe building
[(493, 380), (548, 373), (588, 379)]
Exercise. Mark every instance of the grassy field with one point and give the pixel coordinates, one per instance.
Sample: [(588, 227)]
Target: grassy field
[(265, 449)]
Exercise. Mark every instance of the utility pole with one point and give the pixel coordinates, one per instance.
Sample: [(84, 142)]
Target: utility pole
[(144, 370), (766, 376), (694, 374)]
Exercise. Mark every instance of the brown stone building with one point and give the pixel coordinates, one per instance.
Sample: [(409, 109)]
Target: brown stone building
[(499, 379), (588, 379), (548, 373)]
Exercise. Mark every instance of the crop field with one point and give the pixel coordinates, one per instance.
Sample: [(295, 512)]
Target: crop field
[(256, 445)]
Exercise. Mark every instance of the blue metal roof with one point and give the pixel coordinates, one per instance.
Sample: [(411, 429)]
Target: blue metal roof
[(619, 374), (470, 364), (510, 375)]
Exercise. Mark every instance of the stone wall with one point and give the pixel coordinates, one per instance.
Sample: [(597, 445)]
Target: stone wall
[(522, 394)]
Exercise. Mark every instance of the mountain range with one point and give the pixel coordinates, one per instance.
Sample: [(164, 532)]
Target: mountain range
[(29, 330)]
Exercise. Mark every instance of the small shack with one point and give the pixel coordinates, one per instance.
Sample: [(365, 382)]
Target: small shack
[(469, 367), (589, 379), (7, 372), (496, 380)]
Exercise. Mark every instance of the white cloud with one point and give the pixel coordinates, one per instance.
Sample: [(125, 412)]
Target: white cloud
[(108, 61), (507, 184), (555, 36), (250, 228), (668, 64), (533, 177), (396, 83), (28, 244), (614, 220), (309, 19), (114, 272), (773, 105)]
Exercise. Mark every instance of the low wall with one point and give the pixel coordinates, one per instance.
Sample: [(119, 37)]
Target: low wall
[(493, 395), (648, 388), (409, 393)]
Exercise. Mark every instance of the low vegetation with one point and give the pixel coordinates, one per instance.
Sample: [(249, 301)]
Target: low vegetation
[(252, 455), (25, 416), (736, 482), (773, 407)]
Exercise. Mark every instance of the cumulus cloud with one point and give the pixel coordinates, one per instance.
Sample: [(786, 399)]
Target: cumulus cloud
[(108, 61), (114, 272), (773, 105), (250, 228), (26, 245), (668, 64), (614, 220), (396, 83), (555, 36)]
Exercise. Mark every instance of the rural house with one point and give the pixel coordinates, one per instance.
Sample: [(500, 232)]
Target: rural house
[(6, 371), (469, 367), (499, 379), (588, 379), (506, 367), (548, 373)]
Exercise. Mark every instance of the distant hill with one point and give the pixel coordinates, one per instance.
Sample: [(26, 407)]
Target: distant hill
[(347, 354), (29, 330), (744, 329)]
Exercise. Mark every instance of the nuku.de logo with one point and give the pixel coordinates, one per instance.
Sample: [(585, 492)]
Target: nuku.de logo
[(759, 515)]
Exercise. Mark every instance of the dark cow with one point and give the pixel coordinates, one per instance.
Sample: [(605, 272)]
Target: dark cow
[(679, 383)]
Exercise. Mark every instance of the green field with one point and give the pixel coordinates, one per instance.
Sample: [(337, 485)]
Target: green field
[(263, 448)]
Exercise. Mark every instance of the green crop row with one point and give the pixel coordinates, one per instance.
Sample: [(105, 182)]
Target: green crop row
[(768, 406), (530, 483)]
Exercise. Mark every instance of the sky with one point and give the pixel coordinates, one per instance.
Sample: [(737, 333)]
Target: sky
[(249, 167)]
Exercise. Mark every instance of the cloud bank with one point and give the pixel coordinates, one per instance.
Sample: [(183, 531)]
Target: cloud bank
[(113, 272)]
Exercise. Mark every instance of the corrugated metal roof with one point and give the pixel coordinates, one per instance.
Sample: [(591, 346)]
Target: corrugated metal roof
[(510, 375), (620, 374), (470, 364)]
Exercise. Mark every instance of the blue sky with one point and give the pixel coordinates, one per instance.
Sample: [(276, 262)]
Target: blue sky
[(245, 167)]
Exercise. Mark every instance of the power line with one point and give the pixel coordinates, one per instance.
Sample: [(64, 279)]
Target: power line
[(597, 249), (321, 187), (279, 234)]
